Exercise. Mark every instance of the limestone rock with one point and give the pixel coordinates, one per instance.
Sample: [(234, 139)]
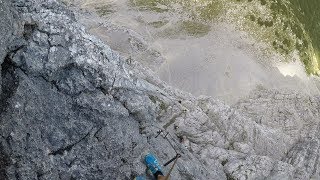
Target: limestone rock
[(72, 108)]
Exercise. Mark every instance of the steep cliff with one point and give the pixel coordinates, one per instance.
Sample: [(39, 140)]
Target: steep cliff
[(72, 108)]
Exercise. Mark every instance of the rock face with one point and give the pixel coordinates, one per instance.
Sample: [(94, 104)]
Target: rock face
[(6, 26), (72, 108)]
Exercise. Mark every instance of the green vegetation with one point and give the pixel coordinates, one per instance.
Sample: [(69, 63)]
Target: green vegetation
[(156, 100), (202, 9), (309, 15), (199, 13), (193, 28), (287, 26), (105, 10), (190, 28), (291, 18), (210, 11), (151, 5), (158, 24)]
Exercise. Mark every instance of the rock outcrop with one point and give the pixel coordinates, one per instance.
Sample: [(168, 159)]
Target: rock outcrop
[(72, 108), (6, 33)]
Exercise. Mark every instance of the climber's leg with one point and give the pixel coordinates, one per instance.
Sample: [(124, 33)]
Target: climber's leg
[(161, 177), (153, 166)]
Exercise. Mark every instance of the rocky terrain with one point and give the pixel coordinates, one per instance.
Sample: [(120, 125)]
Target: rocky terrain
[(72, 108), (219, 57)]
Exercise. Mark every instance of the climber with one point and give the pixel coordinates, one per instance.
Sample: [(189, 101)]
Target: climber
[(153, 165)]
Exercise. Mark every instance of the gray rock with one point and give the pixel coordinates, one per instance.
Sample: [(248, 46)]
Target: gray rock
[(6, 26), (76, 109), (6, 33), (72, 108)]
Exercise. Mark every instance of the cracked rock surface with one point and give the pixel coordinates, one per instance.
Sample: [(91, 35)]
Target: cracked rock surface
[(72, 108)]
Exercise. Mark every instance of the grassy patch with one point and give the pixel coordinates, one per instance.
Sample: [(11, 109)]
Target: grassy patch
[(190, 28), (281, 24), (104, 10), (156, 100), (193, 28), (158, 24), (210, 11), (151, 5)]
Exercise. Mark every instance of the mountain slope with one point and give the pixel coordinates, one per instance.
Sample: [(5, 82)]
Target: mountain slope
[(72, 108)]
